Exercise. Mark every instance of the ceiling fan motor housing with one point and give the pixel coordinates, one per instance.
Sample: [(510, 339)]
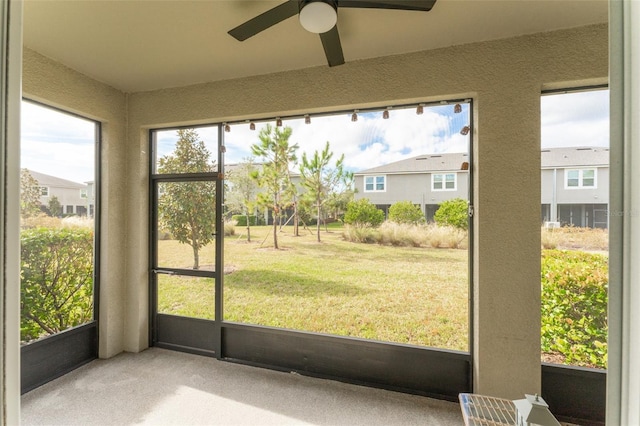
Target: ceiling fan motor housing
[(318, 16)]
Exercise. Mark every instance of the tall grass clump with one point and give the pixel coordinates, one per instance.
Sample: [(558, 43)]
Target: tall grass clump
[(77, 222), (402, 235), (573, 237), (40, 221), (549, 238), (446, 237), (406, 235), (229, 228), (360, 234)]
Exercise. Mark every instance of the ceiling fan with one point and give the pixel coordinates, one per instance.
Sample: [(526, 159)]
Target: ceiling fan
[(320, 17)]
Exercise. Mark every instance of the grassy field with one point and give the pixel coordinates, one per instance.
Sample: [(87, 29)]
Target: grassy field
[(399, 294), (413, 295)]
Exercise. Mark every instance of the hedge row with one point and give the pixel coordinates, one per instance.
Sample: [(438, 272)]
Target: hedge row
[(57, 280)]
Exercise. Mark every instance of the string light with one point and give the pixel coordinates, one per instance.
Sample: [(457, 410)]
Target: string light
[(307, 119), (465, 130), (279, 122), (252, 125), (464, 166), (227, 128), (354, 116), (420, 109), (385, 113), (457, 108)]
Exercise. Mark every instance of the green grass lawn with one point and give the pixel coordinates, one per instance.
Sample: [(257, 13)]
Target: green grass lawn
[(417, 296)]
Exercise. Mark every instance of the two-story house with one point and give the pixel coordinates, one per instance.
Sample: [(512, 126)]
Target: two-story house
[(575, 184), (75, 198), (425, 180)]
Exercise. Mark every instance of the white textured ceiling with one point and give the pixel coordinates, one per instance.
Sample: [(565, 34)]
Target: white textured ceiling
[(147, 44)]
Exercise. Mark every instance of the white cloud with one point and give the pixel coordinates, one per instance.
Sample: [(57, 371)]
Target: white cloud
[(369, 142), (575, 119), (56, 143), (62, 145)]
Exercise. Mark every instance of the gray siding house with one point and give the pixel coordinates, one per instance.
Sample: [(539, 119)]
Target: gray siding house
[(575, 184), (425, 180), (575, 187), (75, 198)]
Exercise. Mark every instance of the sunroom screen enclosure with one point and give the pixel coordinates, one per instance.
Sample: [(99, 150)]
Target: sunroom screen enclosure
[(382, 300)]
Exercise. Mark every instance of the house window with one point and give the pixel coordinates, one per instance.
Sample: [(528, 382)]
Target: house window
[(69, 210), (375, 184), (83, 193), (44, 191), (581, 178), (444, 182)]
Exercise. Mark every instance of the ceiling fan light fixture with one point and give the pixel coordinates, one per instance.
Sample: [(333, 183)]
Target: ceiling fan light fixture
[(318, 16)]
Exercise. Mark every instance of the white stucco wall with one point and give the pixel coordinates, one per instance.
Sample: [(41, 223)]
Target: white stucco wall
[(505, 79), (53, 84)]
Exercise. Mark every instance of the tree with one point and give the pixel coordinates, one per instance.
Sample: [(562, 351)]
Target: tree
[(363, 213), (319, 179), (340, 199), (243, 192), (454, 212), (29, 195), (187, 209), (276, 155), (55, 208), (406, 212)]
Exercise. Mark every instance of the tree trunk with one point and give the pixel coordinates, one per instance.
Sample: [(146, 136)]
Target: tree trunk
[(318, 223), (295, 219), (196, 258), (275, 234), (248, 229)]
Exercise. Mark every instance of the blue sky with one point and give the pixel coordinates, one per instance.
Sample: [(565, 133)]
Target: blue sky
[(62, 145)]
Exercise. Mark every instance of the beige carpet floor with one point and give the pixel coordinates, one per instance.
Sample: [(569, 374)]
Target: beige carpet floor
[(161, 387)]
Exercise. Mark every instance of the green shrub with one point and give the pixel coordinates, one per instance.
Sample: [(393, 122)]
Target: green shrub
[(574, 306), (241, 220), (405, 212), (454, 213), (363, 213), (57, 280)]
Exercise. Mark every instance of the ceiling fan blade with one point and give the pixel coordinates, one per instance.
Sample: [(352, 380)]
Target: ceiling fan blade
[(420, 5), (332, 47), (265, 20)]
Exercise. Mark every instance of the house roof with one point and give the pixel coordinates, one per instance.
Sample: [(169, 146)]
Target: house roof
[(550, 158), (56, 182), (574, 157), (421, 164)]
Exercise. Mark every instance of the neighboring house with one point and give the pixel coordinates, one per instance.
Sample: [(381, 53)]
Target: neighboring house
[(575, 184), (75, 198), (425, 180)]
